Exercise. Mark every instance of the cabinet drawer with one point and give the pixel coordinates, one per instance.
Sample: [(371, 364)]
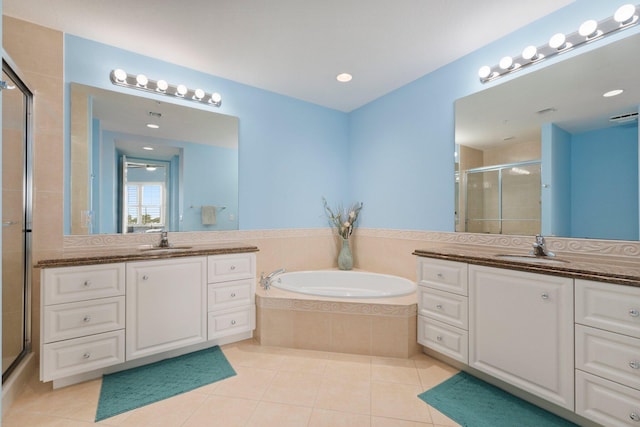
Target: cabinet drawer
[(76, 356), (448, 276), (444, 306), (606, 402), (446, 339), (230, 322), (69, 284), (607, 306), (612, 356), (77, 319), (223, 268), (229, 294)]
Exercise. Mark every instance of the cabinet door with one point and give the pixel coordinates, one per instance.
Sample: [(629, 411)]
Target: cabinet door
[(521, 330), (166, 305)]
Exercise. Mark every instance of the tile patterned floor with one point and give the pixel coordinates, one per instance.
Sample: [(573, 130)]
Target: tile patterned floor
[(275, 387)]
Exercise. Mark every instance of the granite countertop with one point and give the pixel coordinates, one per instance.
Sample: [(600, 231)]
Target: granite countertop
[(618, 270), (143, 253)]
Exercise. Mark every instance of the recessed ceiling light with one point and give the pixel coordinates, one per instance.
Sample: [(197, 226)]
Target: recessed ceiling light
[(344, 77), (612, 93), (152, 126), (148, 148)]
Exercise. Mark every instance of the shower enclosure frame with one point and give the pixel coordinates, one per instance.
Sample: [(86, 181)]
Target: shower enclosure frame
[(13, 72)]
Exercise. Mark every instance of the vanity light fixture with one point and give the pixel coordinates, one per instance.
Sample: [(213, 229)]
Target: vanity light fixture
[(624, 17), (141, 82)]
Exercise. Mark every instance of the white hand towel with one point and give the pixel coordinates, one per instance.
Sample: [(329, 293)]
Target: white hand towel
[(208, 214)]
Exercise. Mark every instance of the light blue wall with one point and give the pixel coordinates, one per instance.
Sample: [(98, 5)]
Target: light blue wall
[(556, 181), (604, 183), (291, 152), (395, 154)]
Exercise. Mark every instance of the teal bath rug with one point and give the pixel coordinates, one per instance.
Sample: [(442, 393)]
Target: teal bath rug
[(126, 390), (472, 402)]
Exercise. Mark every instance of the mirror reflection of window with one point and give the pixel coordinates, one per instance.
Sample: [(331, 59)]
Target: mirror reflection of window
[(146, 194)]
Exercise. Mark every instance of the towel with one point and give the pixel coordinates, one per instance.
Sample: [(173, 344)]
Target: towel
[(208, 214)]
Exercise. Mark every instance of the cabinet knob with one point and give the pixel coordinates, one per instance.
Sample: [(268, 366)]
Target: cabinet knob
[(633, 312), (634, 416), (233, 267), (86, 283), (440, 275), (439, 338), (87, 355), (233, 322), (86, 319), (145, 277), (634, 364), (233, 295), (439, 306), (544, 296)]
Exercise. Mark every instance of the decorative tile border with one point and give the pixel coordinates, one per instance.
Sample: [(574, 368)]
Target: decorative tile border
[(370, 309)]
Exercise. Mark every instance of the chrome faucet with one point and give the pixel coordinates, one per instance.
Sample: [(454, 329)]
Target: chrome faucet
[(164, 240), (540, 247), (265, 281)]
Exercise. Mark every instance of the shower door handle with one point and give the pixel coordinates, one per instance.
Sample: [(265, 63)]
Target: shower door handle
[(9, 223)]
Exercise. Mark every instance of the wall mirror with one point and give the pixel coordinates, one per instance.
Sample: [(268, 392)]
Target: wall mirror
[(138, 165), (547, 152)]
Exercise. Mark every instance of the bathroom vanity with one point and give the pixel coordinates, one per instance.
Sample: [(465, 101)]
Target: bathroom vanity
[(103, 314), (564, 332)]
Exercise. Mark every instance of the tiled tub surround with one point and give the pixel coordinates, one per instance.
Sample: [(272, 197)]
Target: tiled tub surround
[(383, 327)]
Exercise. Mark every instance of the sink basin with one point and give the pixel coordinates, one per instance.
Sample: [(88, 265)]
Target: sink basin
[(531, 258), (158, 249)]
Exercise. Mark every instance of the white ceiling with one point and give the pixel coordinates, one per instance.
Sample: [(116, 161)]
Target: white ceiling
[(295, 47)]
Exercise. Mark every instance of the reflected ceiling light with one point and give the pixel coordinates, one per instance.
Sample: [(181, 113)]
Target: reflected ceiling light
[(153, 126), (344, 77), (625, 15), (611, 93), (148, 148), (590, 31), (140, 82), (151, 168)]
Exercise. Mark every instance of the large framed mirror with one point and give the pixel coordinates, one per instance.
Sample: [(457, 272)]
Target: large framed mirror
[(138, 165), (547, 153)]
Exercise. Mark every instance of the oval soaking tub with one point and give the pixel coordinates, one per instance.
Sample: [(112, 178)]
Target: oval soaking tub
[(344, 284)]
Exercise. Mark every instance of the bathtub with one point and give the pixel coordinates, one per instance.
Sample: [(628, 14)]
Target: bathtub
[(344, 284)]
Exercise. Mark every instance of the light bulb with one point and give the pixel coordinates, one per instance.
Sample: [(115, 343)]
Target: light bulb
[(530, 53), (588, 28), (142, 80), (625, 14), (216, 98), (198, 94), (484, 72), (558, 41), (162, 85), (181, 90), (506, 62), (120, 75)]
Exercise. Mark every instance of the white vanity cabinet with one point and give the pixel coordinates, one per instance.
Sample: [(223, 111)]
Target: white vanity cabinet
[(608, 352), (521, 330), (231, 285), (166, 305), (443, 307), (82, 319)]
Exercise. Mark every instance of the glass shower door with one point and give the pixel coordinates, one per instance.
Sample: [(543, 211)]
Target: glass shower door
[(16, 221)]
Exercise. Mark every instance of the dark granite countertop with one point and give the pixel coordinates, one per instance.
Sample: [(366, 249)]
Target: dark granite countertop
[(618, 270), (143, 253)]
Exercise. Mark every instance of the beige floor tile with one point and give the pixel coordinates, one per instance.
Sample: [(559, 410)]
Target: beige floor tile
[(269, 414), (28, 419), (294, 388), (222, 411), (399, 401), (254, 356), (401, 371), (166, 413), (355, 368), (435, 374), (345, 394), (391, 422), (326, 418), (441, 420), (249, 383)]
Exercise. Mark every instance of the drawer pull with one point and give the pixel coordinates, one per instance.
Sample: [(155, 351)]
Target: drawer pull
[(634, 364), (233, 267), (233, 322), (440, 276), (233, 295), (87, 355), (439, 306), (634, 416), (86, 319), (544, 296), (86, 283), (633, 312), (439, 338)]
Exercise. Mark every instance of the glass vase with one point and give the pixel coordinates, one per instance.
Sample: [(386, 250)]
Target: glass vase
[(345, 258)]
